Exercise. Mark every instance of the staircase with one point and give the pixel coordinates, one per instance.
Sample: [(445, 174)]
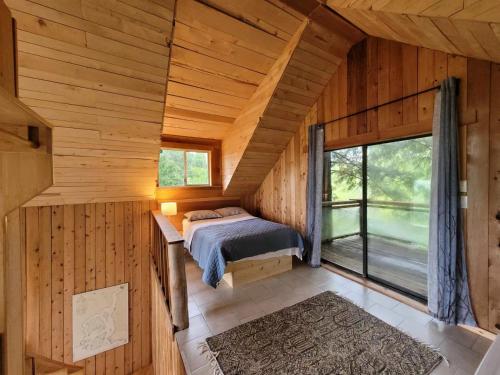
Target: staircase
[(38, 365)]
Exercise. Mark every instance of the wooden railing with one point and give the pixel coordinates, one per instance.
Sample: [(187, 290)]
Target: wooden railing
[(168, 260), (353, 203)]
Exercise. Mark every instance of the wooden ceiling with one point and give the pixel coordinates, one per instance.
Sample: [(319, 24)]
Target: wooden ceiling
[(279, 105), (221, 52), (468, 28), (96, 70)]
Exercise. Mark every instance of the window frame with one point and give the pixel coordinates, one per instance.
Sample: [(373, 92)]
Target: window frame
[(364, 213), (185, 179)]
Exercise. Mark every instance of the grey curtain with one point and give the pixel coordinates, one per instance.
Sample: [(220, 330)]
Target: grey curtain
[(448, 290), (316, 138)]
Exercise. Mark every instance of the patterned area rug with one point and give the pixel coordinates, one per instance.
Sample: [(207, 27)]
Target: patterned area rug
[(325, 334)]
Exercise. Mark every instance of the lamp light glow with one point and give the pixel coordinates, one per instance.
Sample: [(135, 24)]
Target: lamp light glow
[(169, 208)]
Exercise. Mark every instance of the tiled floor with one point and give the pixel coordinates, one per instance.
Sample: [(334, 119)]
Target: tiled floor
[(214, 311)]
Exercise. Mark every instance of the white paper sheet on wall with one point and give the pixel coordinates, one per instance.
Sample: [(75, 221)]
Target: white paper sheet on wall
[(100, 321)]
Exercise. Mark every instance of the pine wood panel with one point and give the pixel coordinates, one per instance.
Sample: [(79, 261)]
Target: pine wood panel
[(279, 105), (281, 197), (97, 71), (494, 200), (194, 198), (165, 352), (222, 50), (76, 248), (458, 27)]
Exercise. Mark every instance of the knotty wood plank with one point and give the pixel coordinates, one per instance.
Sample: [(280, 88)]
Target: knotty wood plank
[(100, 269), (372, 83), (80, 256), (145, 284), (32, 280), (135, 280), (90, 266), (478, 73), (45, 227), (129, 256), (110, 271), (69, 279), (119, 274), (384, 64), (494, 201), (410, 83), (425, 81), (395, 84)]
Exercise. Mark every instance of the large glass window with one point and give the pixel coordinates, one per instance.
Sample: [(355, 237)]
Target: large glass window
[(376, 212), (183, 168)]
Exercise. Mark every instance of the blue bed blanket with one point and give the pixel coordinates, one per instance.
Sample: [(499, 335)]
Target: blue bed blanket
[(213, 246)]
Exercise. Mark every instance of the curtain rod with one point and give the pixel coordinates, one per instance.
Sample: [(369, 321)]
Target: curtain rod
[(380, 105)]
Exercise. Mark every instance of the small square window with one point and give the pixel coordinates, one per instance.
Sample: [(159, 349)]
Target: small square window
[(183, 168)]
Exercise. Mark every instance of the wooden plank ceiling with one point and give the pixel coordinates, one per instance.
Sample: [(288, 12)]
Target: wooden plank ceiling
[(96, 69), (221, 52), (268, 122), (467, 28)]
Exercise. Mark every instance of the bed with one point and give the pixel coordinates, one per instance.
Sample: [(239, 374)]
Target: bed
[(241, 248)]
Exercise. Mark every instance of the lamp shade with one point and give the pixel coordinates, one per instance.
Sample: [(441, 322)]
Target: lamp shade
[(169, 208)]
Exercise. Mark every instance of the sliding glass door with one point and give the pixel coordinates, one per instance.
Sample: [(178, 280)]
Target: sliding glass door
[(342, 208), (398, 183), (376, 212)]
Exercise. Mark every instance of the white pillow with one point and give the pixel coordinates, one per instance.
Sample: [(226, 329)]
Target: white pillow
[(202, 215), (230, 211)]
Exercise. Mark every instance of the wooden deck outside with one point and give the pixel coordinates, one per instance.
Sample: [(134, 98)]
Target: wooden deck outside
[(398, 263)]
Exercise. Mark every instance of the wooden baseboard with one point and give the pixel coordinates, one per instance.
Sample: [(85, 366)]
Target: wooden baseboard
[(247, 271)]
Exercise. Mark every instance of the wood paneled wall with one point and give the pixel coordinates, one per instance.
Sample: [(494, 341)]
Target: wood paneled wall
[(97, 71), (71, 249), (377, 71), (166, 356), (191, 198)]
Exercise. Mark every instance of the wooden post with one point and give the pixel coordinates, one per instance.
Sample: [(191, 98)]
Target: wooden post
[(169, 261), (14, 313), (177, 285)]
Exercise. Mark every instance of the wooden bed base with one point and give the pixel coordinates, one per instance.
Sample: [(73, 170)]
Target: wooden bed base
[(247, 271)]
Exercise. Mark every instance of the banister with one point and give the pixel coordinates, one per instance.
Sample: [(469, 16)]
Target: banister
[(168, 257)]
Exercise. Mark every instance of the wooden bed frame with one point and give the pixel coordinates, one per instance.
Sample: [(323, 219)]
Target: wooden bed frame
[(247, 271)]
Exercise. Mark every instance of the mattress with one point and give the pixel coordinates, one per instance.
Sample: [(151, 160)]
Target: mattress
[(189, 227)]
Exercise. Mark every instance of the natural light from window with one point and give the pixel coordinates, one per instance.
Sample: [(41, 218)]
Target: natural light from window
[(183, 168)]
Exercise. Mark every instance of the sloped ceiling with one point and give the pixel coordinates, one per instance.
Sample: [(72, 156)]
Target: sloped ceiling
[(224, 51), (97, 71), (221, 52), (237, 75), (280, 104), (468, 28)]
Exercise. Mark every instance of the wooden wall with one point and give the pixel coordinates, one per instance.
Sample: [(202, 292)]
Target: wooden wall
[(377, 71), (71, 249), (97, 71), (166, 356), (281, 102), (191, 198)]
